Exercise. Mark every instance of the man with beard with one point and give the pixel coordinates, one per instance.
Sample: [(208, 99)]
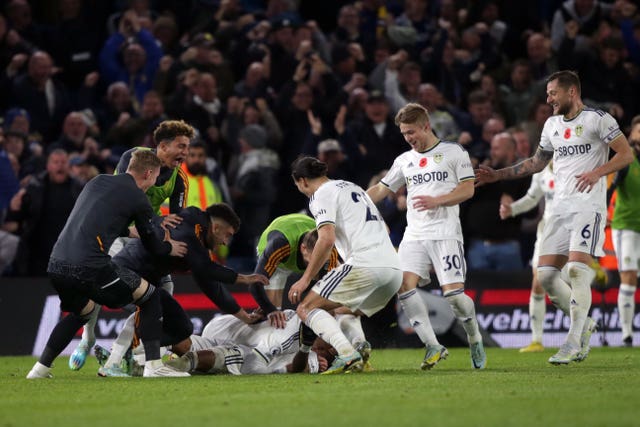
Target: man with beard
[(204, 191), (578, 139), (493, 244)]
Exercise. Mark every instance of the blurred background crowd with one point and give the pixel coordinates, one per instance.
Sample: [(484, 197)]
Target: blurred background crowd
[(262, 81)]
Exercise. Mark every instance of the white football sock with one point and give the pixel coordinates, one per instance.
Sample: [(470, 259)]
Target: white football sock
[(418, 314), (326, 327), (351, 327), (558, 290), (465, 311), (88, 331), (537, 310), (122, 342), (581, 277), (626, 308)]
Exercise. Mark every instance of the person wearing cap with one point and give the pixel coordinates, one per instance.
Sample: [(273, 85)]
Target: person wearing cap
[(376, 138), (131, 55), (330, 152), (254, 187)]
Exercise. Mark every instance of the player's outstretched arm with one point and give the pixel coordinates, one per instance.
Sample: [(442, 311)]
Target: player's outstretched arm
[(486, 175)]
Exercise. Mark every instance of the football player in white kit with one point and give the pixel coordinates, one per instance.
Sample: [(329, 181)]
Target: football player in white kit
[(370, 275), (578, 139), (541, 187), (438, 176)]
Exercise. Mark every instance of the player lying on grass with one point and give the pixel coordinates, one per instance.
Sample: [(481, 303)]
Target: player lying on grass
[(202, 231)]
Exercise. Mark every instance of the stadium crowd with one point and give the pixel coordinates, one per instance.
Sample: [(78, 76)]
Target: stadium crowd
[(95, 79), (262, 82)]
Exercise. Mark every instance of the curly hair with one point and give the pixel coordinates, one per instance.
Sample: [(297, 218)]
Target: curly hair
[(169, 130)]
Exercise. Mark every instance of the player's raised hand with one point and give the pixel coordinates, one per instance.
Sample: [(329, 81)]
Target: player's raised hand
[(485, 175), (277, 319)]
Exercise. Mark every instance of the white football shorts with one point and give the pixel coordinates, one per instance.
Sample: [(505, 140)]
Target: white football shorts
[(574, 232), (367, 289), (626, 243), (445, 256)]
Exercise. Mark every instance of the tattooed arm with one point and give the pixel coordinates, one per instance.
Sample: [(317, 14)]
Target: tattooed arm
[(540, 159)]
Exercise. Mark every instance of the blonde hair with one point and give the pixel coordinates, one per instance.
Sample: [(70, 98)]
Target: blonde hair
[(142, 161), (412, 114)]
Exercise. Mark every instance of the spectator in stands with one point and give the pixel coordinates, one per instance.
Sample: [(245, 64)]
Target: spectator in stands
[(40, 211), (518, 94), (541, 59), (579, 19), (254, 187), (539, 112), (117, 108), (42, 96), (373, 140), (137, 131), (338, 165), (442, 122), (20, 19), (131, 56), (74, 134), (480, 111), (205, 112), (493, 244), (282, 49), (608, 84)]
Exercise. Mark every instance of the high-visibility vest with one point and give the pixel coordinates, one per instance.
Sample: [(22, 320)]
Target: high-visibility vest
[(203, 192), (609, 260)]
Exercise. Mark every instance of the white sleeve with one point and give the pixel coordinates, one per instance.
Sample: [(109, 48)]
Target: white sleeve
[(608, 128), (545, 141), (323, 206), (463, 168), (394, 179)]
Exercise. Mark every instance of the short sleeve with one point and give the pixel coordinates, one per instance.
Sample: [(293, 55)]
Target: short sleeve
[(394, 179), (324, 206), (545, 140), (608, 128), (464, 170)]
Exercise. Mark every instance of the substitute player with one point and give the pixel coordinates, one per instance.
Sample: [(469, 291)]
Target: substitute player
[(284, 248), (370, 276), (84, 275), (626, 235), (202, 231), (578, 139), (438, 176), (172, 143)]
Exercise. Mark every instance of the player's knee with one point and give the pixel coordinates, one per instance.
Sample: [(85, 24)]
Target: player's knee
[(546, 276)]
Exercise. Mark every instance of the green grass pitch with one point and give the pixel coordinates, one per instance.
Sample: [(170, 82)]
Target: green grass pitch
[(514, 390)]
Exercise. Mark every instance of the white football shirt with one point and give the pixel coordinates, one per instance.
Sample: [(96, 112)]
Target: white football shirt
[(434, 172), (542, 185), (362, 239), (580, 145)]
